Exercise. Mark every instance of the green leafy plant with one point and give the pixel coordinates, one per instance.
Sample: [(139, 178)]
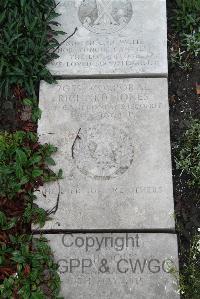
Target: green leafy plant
[(34, 214), (35, 110), (186, 22), (25, 266), (24, 163), (189, 280), (32, 272), (187, 15), (5, 223), (191, 43), (28, 41), (188, 159), (178, 58)]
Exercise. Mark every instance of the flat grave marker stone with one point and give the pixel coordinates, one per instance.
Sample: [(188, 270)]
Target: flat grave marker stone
[(126, 37), (114, 149), (122, 265)]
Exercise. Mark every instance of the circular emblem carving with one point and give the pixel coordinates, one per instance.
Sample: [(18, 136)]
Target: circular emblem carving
[(103, 151), (105, 16)]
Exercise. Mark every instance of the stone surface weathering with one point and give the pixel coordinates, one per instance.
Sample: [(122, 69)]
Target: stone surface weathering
[(114, 149), (114, 37), (122, 265), (113, 145)]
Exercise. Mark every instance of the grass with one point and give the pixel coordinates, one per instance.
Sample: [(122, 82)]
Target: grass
[(184, 38), (190, 274), (188, 160), (186, 24)]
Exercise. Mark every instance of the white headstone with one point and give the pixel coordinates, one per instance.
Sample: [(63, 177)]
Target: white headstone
[(116, 266), (114, 149), (126, 37)]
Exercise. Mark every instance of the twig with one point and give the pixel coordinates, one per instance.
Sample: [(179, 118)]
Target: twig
[(52, 10), (65, 40), (55, 208), (77, 137)]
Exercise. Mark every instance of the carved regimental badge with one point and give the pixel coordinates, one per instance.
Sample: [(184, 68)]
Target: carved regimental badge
[(103, 151), (105, 16)]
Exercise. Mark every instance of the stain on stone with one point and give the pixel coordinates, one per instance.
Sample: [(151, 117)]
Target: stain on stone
[(77, 137)]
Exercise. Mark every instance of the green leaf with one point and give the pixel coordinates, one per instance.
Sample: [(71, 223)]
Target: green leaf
[(50, 161), (22, 2), (36, 114), (27, 102), (60, 174), (17, 257), (10, 224), (35, 159), (14, 38), (1, 260), (24, 180), (36, 173), (2, 219), (19, 171), (21, 156), (2, 16)]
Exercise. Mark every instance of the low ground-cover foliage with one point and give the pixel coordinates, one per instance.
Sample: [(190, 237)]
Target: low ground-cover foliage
[(184, 51), (186, 23), (23, 260), (28, 42), (23, 163), (190, 275), (24, 166), (189, 155), (188, 162), (30, 269)]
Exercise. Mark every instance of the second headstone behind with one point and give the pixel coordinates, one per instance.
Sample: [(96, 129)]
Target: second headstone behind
[(126, 37)]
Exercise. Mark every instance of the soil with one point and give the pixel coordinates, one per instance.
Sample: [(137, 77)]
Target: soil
[(184, 105), (8, 120), (184, 101)]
